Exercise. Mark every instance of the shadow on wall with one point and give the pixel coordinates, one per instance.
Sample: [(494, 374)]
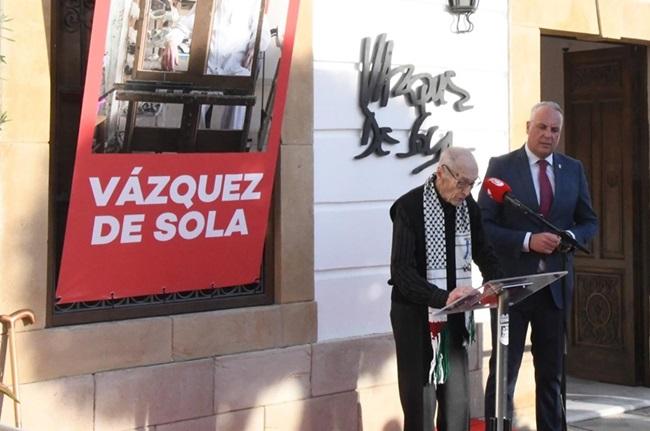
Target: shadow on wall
[(347, 384), (333, 386)]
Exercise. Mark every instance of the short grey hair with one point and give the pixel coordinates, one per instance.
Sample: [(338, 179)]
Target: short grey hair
[(553, 105)]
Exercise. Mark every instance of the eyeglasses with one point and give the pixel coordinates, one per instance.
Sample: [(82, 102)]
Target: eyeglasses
[(460, 183)]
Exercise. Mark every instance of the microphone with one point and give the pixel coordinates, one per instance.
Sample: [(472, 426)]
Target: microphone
[(496, 189), (500, 192)]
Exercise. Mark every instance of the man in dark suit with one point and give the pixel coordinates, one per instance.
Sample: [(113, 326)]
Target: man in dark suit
[(554, 185), (437, 233)]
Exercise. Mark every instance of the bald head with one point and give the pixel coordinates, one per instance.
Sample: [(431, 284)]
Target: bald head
[(461, 161), (456, 174)]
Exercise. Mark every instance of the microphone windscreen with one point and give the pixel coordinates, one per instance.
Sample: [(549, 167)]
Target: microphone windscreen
[(496, 189)]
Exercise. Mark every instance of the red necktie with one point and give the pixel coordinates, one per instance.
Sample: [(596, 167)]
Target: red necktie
[(545, 189)]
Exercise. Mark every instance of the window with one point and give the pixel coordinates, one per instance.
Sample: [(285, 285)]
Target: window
[(203, 103)]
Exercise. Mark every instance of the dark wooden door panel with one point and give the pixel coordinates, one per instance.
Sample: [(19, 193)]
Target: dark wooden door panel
[(613, 187), (602, 131)]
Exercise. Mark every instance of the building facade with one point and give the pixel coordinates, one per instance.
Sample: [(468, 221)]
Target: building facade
[(321, 355)]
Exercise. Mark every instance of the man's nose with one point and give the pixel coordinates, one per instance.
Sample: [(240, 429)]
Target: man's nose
[(465, 191)]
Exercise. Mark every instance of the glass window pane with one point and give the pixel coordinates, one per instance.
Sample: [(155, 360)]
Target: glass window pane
[(232, 37), (169, 26)]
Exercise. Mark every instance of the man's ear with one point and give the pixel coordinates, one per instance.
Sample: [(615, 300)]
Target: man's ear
[(527, 126)]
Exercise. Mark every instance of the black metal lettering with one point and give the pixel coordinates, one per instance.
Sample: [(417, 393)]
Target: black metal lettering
[(444, 143), (459, 105), (418, 90), (418, 143), (374, 85)]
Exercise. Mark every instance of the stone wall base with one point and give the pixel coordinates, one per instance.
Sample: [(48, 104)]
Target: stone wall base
[(347, 385)]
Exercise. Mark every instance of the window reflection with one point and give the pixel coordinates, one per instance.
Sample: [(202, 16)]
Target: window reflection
[(232, 37), (155, 98), (169, 28)]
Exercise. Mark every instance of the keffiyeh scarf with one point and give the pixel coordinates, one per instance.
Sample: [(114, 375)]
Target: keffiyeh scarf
[(436, 253)]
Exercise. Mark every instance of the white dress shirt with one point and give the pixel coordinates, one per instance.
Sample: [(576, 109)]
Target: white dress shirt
[(534, 172)]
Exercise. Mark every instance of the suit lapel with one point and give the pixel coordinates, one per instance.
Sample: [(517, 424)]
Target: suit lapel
[(526, 180)]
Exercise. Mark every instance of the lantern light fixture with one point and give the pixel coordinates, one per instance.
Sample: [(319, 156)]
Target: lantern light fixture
[(463, 9)]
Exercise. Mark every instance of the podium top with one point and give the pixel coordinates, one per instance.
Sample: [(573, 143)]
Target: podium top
[(517, 289)]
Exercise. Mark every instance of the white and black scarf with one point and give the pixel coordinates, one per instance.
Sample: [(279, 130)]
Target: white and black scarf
[(436, 254)]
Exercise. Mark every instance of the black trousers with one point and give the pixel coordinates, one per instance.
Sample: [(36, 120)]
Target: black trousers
[(418, 399), (547, 339)]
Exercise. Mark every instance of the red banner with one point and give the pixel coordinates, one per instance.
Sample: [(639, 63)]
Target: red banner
[(142, 224)]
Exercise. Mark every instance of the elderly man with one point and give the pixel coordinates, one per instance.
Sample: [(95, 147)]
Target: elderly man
[(437, 232), (556, 186)]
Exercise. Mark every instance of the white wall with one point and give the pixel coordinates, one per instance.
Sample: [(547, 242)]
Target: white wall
[(352, 197)]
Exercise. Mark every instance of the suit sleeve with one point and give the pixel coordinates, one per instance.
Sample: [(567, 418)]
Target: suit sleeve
[(507, 241), (585, 219), (403, 267)]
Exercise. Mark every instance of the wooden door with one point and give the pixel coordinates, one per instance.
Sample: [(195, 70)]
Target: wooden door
[(604, 101)]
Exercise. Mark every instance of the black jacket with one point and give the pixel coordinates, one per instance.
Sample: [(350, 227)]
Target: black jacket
[(408, 257)]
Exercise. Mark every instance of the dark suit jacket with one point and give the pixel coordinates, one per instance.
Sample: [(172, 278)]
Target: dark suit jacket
[(506, 226)]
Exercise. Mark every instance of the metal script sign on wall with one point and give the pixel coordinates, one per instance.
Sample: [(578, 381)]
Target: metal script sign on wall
[(418, 90)]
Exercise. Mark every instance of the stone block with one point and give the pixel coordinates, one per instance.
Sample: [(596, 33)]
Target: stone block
[(381, 408), (24, 186), (298, 323), (294, 226), (153, 395), (261, 378), (26, 77), (225, 332), (577, 16), (84, 349), (242, 420), (330, 413), (525, 81), (525, 389), (524, 418), (633, 21), (349, 364), (56, 405)]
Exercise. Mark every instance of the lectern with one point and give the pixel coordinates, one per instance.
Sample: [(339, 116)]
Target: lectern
[(502, 293)]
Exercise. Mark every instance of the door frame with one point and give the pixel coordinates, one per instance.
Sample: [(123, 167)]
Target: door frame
[(641, 177)]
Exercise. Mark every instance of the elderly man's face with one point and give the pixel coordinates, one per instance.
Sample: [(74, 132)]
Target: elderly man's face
[(544, 130), (454, 183)]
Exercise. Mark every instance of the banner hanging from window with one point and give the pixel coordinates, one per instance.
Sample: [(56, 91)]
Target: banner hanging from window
[(178, 145)]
